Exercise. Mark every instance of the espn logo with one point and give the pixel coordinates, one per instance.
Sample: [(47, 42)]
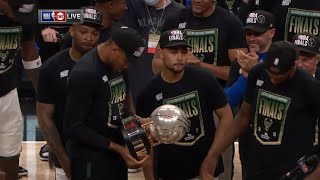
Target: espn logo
[(60, 16)]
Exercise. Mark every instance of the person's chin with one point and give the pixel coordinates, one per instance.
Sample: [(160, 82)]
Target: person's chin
[(255, 47), (87, 48)]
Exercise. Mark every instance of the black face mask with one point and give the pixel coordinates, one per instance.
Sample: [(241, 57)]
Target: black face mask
[(25, 11)]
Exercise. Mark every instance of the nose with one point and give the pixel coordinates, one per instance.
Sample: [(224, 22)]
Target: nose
[(251, 37), (180, 56), (88, 37)]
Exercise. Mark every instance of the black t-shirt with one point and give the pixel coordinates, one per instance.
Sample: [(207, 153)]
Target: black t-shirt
[(52, 84), (95, 98), (212, 36), (11, 34), (197, 99), (283, 120)]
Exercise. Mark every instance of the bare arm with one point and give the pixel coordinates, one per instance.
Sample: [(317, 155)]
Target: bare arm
[(157, 61), (221, 72), (148, 168), (227, 132), (46, 122), (29, 53)]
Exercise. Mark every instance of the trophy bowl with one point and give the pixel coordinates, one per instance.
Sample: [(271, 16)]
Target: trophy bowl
[(167, 125)]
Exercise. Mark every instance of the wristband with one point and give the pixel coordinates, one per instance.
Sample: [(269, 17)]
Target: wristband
[(32, 64)]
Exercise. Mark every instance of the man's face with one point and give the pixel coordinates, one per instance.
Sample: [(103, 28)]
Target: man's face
[(258, 42), (174, 58), (201, 7), (118, 9), (119, 59), (278, 78), (6, 9), (308, 62), (84, 37)]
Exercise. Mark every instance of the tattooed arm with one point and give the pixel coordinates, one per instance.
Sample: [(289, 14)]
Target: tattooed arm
[(46, 122)]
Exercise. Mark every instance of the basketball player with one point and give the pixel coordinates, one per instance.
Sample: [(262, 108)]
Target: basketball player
[(16, 34), (52, 84), (98, 96), (197, 92)]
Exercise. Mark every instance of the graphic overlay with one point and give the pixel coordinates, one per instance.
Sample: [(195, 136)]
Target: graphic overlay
[(55, 16)]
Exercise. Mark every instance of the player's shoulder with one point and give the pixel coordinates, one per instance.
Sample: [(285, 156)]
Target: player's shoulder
[(88, 63), (258, 69), (198, 72), (55, 60)]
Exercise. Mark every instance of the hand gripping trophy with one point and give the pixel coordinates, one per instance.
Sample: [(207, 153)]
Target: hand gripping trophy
[(168, 124)]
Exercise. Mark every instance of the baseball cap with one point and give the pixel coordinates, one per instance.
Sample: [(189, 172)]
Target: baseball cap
[(129, 41), (92, 17), (260, 21), (307, 42), (173, 37), (281, 55)]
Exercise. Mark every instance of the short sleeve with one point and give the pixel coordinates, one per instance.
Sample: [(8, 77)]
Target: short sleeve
[(45, 90)]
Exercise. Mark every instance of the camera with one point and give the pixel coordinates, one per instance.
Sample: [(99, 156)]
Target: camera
[(305, 167)]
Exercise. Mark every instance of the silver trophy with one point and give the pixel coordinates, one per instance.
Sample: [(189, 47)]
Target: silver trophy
[(168, 124)]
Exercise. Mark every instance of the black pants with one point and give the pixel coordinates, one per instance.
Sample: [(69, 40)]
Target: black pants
[(105, 168)]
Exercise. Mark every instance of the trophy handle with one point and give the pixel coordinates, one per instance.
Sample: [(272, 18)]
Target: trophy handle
[(136, 138)]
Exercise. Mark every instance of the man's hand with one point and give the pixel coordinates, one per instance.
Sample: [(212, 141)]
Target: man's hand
[(131, 162), (143, 120), (208, 167), (192, 59), (49, 35), (247, 61)]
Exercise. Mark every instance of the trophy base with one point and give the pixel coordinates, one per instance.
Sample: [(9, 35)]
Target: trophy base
[(136, 137)]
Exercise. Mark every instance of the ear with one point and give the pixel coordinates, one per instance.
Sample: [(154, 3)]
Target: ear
[(109, 5), (114, 47), (271, 33), (317, 58), (161, 51), (71, 30)]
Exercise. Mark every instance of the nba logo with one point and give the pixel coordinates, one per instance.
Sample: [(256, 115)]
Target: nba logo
[(46, 16), (59, 16)]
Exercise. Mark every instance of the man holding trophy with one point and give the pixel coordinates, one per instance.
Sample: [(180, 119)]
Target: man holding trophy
[(195, 91)]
